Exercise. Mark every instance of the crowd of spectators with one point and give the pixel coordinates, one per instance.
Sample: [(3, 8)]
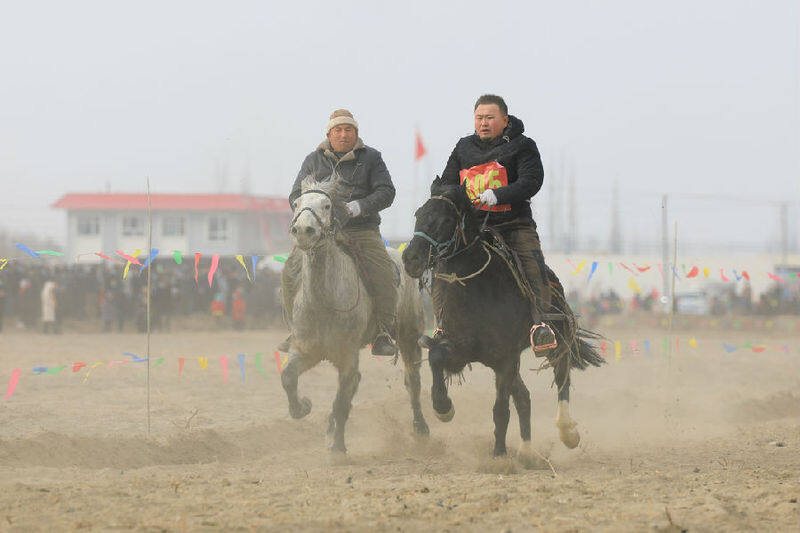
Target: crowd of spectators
[(782, 298), (53, 298)]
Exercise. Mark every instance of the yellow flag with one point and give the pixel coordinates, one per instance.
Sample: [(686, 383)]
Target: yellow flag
[(240, 258), (128, 266), (580, 267), (705, 271), (693, 342), (402, 247), (617, 350), (203, 362), (634, 286)]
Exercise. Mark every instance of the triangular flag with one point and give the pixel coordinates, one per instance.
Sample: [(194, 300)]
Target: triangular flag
[(591, 273), (224, 361), (579, 267), (240, 357), (213, 269), (240, 258), (419, 147)]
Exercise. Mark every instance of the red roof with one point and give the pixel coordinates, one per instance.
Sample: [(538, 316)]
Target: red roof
[(172, 202)]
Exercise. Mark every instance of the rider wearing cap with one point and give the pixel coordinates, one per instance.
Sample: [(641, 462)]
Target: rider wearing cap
[(502, 170), (367, 188)]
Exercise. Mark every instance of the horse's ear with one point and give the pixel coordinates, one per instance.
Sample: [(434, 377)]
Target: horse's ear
[(436, 186), (463, 199)]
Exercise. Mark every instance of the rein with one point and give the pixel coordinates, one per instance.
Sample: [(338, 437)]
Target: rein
[(442, 247), (327, 231)]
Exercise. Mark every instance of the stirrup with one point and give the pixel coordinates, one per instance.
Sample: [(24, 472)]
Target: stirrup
[(544, 347)]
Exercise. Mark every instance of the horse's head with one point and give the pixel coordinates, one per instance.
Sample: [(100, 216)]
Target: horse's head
[(316, 212), (439, 228)]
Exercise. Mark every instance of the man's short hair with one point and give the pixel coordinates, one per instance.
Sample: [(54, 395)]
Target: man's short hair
[(488, 99)]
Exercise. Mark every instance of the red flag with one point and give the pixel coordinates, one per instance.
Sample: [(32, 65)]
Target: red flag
[(419, 148)]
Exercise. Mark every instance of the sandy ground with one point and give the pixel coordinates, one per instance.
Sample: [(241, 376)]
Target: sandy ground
[(704, 441)]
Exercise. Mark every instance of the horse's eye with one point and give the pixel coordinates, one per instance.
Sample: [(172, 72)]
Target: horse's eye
[(327, 206)]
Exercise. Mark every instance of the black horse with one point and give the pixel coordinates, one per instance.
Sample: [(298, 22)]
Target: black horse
[(485, 316)]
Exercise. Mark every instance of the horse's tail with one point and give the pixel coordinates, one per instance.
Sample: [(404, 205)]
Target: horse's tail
[(586, 353)]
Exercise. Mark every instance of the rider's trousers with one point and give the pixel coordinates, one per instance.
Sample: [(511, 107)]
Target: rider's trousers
[(522, 237)]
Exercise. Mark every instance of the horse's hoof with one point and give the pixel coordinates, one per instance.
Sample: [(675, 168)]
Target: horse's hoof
[(302, 410), (448, 416), (421, 428), (339, 457), (569, 436), (529, 458)]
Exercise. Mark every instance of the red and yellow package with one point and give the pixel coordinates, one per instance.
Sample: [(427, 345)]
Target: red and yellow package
[(491, 175)]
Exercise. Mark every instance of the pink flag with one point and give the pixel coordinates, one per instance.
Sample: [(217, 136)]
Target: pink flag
[(196, 261), (278, 362), (180, 365), (129, 258), (722, 275), (213, 269), (104, 256), (693, 272), (12, 383), (224, 361)]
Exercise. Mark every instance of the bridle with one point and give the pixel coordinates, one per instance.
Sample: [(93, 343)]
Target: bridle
[(441, 248), (451, 246), (327, 230)]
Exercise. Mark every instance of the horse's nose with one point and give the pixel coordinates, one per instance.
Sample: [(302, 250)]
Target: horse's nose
[(310, 231)]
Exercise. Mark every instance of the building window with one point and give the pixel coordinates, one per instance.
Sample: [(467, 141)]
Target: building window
[(217, 229), (173, 227), (88, 225), (132, 226)]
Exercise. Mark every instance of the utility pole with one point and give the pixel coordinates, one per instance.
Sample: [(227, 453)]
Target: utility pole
[(665, 252), (784, 223), (615, 240), (572, 240)]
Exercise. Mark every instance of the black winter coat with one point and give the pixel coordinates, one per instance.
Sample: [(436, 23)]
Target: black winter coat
[(517, 153), (364, 177)]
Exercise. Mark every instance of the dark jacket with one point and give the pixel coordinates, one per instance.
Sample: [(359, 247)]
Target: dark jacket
[(364, 178), (517, 153)]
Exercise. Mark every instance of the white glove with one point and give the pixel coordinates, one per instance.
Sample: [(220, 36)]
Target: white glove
[(488, 197), (354, 207)]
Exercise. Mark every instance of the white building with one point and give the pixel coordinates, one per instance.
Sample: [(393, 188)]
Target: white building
[(225, 224)]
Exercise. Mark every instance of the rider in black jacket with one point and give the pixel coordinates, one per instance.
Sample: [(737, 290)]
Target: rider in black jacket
[(501, 169)]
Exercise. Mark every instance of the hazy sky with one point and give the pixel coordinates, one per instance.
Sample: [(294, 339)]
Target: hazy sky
[(686, 98)]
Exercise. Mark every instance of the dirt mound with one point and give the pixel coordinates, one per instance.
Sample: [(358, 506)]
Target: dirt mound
[(775, 406)]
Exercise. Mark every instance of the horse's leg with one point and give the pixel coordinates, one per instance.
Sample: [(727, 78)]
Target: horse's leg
[(566, 425), (349, 377), (504, 379), (442, 405), (298, 407), (522, 402), (412, 359)]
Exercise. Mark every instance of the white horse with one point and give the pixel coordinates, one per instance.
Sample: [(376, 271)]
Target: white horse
[(333, 313)]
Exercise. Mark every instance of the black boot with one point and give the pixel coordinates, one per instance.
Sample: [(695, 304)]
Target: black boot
[(383, 345), (285, 345)]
